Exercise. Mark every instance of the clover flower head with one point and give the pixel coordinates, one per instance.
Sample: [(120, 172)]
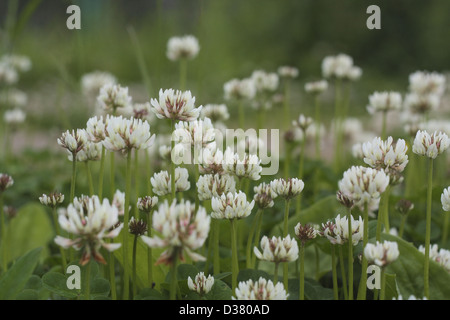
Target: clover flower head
[(248, 166), (277, 249), (215, 112), (6, 182), (176, 105), (337, 231), (92, 82), (212, 161), (112, 97), (381, 253), (209, 186), (424, 83), (14, 116), (161, 182), (52, 199), (265, 81), (237, 89), (303, 122), (441, 256), (231, 206), (185, 47), (287, 188), (316, 87), (264, 195), (430, 145), (261, 289), (305, 232), (384, 101), (287, 72), (73, 141), (181, 229), (201, 284), (147, 203), (421, 103), (137, 227)]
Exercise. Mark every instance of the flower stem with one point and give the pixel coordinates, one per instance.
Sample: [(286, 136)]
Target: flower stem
[(302, 272), (89, 176), (87, 288), (172, 163), (112, 274), (241, 115), (216, 257), (183, 74), (383, 128), (275, 273), (287, 159), (134, 266), (300, 174), (334, 272), (286, 217), (149, 250), (250, 240), (136, 182), (286, 104), (257, 237), (101, 173), (317, 109), (383, 213), (234, 257), (402, 226), (445, 227), (362, 291), (112, 173), (126, 218), (3, 229), (383, 285), (337, 103), (350, 255), (426, 274), (343, 275), (74, 177), (173, 278), (58, 233)]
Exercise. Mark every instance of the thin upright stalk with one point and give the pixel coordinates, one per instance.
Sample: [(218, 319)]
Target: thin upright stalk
[(383, 127), (275, 273), (134, 266), (285, 233), (317, 121), (350, 255), (257, 237), (126, 218), (234, 256), (241, 115), (286, 103), (298, 203), (337, 103), (137, 174), (445, 227), (87, 283), (173, 278), (149, 249), (362, 290), (183, 74), (334, 272), (426, 274), (250, 239), (149, 172), (302, 272), (402, 226), (89, 176), (383, 285), (343, 274), (101, 173), (216, 257), (112, 274), (112, 174), (287, 159), (383, 213), (58, 233), (4, 246), (74, 177)]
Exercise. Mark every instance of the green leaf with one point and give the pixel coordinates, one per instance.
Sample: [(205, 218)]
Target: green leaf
[(34, 283), (247, 274), (408, 269), (31, 228), (57, 283), (15, 279), (390, 287), (149, 294), (219, 291), (99, 287), (28, 294)]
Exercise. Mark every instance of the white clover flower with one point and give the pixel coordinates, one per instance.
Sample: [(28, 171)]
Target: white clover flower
[(384, 101), (137, 227), (421, 103), (6, 182), (19, 62), (180, 229), (287, 188), (14, 98), (92, 82), (316, 87), (212, 161), (424, 83), (147, 203), (118, 201), (112, 97), (305, 233), (96, 128), (441, 256), (209, 186), (411, 297), (432, 125), (141, 111), (236, 89), (91, 151), (354, 73), (387, 155), (52, 200), (247, 167), (8, 74), (364, 185), (260, 290), (277, 249), (381, 254), (73, 141), (201, 284), (161, 182), (126, 134), (14, 116), (175, 105), (357, 151), (215, 112), (430, 145), (185, 47), (265, 81), (337, 66), (197, 133), (91, 221), (288, 72), (303, 122), (264, 195), (231, 206), (337, 231), (445, 199)]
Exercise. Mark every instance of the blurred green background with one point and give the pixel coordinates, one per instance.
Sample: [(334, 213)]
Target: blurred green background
[(236, 37)]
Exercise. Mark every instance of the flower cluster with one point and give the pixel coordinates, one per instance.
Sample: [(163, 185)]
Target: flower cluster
[(231, 206), (112, 97), (287, 188), (209, 186), (340, 67), (384, 101), (175, 105), (445, 199), (337, 231), (441, 256), (6, 181), (161, 181), (246, 167), (430, 145), (185, 47), (52, 200), (260, 290), (201, 284), (277, 249), (381, 254), (264, 195)]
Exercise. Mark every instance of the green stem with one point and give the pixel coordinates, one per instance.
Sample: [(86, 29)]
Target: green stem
[(287, 116), (112, 173), (337, 102), (149, 172), (350, 255), (402, 226), (257, 237), (287, 159), (216, 257), (317, 109), (149, 250), (87, 289), (286, 217), (58, 233), (383, 128), (383, 285), (136, 182), (89, 176), (445, 229), (334, 272), (134, 266), (386, 195), (183, 74), (302, 272), (173, 278), (241, 115), (250, 239), (101, 173), (275, 273), (362, 291), (234, 257), (426, 274), (300, 173), (112, 274), (196, 175), (4, 246), (74, 177), (343, 275), (126, 218), (172, 163)]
